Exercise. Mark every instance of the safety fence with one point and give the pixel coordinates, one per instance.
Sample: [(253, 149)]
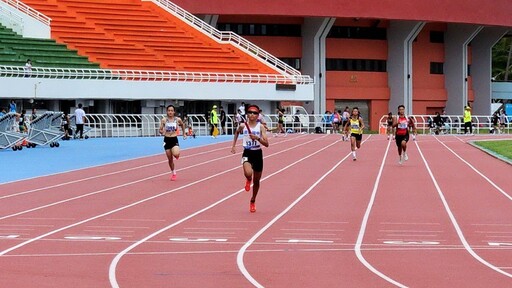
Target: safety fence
[(452, 124), (148, 75), (147, 125)]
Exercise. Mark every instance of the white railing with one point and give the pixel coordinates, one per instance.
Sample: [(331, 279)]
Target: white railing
[(227, 37), (148, 75), (147, 125), (11, 20), (29, 11), (453, 124)]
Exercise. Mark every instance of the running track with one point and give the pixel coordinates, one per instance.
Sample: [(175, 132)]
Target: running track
[(443, 219)]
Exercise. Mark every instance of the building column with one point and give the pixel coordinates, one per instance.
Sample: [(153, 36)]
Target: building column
[(314, 32), (401, 34), (457, 38), (481, 72)]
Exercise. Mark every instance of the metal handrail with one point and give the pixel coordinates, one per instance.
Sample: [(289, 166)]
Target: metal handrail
[(149, 75), (227, 37), (29, 11), (147, 125)]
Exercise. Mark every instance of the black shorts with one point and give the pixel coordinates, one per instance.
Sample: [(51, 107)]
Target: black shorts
[(358, 137), (255, 157), (170, 142), (400, 138)]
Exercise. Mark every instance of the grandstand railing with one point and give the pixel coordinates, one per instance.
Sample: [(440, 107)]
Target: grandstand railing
[(149, 75), (454, 124), (229, 37), (147, 125), (29, 11)]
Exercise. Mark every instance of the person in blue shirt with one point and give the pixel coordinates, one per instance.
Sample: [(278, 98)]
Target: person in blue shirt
[(12, 106)]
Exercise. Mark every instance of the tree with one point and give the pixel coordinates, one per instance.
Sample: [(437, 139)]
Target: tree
[(501, 59)]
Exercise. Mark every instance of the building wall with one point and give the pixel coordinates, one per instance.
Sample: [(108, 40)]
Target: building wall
[(429, 92)]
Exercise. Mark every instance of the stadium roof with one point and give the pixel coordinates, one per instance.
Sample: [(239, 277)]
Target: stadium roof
[(493, 13)]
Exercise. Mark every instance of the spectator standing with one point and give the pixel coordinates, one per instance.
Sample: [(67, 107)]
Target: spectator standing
[(344, 119), (65, 125), (28, 68), (12, 106), (223, 120), (34, 115), (22, 121), (495, 126), (467, 120), (389, 126), (214, 121), (280, 122), (503, 121), (242, 109), (79, 121)]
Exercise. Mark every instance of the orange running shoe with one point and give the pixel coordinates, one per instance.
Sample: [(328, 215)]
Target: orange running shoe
[(247, 185), (252, 207), (173, 177)]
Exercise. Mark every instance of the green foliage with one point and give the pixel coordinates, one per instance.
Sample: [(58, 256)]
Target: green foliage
[(500, 58)]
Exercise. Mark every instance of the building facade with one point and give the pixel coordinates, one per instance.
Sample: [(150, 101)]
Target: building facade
[(427, 55)]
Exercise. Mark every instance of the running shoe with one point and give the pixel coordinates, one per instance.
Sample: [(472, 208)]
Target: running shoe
[(406, 157), (173, 177), (247, 185), (252, 207), (400, 159)]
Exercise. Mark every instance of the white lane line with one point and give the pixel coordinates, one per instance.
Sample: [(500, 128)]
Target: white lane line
[(119, 171), (108, 189), (478, 172), (115, 261), (364, 223), (240, 256), (454, 221), (137, 202), (105, 174)]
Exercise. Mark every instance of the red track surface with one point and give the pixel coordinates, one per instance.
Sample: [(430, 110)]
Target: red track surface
[(442, 219)]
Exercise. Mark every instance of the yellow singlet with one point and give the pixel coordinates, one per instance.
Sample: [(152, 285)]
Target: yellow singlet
[(355, 128)]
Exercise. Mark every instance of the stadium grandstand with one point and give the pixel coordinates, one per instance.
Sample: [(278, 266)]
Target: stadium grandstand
[(323, 55)]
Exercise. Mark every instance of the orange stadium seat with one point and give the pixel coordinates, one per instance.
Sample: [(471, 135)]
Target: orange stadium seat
[(131, 34)]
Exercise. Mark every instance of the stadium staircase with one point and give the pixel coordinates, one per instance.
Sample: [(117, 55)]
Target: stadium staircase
[(136, 35), (15, 50)]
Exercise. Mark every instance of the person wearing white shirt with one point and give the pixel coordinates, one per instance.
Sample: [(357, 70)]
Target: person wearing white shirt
[(80, 120)]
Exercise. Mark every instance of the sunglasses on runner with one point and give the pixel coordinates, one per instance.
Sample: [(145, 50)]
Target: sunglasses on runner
[(253, 112)]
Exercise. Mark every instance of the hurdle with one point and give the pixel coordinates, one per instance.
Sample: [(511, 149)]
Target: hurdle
[(41, 131), (9, 137)]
